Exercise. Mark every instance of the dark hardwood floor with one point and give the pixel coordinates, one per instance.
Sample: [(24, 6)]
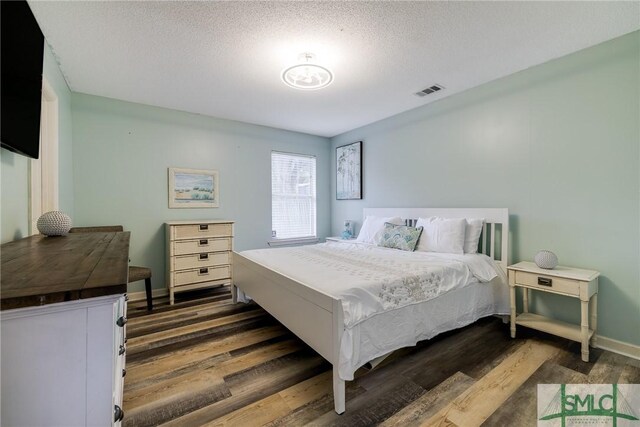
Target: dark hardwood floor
[(205, 361)]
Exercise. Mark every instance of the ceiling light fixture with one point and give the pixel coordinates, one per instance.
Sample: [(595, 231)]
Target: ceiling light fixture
[(307, 76)]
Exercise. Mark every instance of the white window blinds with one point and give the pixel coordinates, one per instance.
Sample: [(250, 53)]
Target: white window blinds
[(293, 195)]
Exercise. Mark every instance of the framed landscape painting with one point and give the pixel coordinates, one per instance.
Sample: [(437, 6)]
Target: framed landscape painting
[(193, 188), (349, 171)]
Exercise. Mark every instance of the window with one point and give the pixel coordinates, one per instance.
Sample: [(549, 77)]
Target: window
[(293, 196)]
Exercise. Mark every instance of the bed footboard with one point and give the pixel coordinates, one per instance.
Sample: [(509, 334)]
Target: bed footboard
[(315, 317)]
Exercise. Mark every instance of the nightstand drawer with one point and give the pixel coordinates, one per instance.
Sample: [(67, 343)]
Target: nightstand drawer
[(204, 259), (198, 231), (548, 283)]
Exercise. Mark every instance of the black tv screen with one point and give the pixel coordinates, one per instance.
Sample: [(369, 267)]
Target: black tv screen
[(21, 87)]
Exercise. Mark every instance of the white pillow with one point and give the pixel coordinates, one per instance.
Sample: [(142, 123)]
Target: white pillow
[(472, 235), (442, 235), (374, 224)]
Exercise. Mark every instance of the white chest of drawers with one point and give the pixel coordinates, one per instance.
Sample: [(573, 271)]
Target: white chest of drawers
[(198, 254), (63, 329), (63, 364)]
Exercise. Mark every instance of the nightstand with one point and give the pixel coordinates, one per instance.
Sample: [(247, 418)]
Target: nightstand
[(567, 281), (340, 239)]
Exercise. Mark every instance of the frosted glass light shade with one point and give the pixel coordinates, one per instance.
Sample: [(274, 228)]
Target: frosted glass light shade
[(307, 77)]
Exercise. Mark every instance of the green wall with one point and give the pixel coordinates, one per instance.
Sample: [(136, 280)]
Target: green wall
[(14, 210), (557, 144), (121, 155)]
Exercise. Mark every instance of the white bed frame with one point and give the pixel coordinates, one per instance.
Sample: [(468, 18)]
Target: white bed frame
[(316, 317)]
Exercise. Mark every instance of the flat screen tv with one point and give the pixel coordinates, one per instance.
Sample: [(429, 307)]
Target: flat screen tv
[(21, 87)]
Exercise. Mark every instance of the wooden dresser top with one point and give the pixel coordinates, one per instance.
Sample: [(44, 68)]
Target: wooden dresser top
[(40, 270)]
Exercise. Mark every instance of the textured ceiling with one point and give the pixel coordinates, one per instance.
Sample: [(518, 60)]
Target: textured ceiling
[(224, 59)]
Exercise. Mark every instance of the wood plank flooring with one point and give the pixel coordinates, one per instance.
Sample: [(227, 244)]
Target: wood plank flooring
[(208, 362)]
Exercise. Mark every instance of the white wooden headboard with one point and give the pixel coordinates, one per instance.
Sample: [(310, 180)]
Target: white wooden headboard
[(496, 224)]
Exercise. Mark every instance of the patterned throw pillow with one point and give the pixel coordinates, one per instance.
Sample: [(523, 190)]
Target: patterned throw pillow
[(399, 237)]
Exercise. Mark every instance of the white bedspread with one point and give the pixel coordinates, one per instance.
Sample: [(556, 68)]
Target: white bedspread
[(378, 283), (371, 280)]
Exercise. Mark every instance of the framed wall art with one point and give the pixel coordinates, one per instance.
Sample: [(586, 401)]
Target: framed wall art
[(349, 171), (193, 188)]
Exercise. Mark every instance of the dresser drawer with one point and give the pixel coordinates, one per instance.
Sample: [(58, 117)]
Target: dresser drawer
[(548, 283), (199, 231), (184, 247), (204, 274), (203, 259)]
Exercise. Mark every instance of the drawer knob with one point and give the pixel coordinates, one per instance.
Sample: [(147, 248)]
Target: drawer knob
[(121, 321), (122, 350), (204, 257), (118, 413), (124, 373), (203, 242), (544, 281), (204, 227), (204, 270)]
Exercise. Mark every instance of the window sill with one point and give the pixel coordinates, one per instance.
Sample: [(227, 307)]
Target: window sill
[(295, 241)]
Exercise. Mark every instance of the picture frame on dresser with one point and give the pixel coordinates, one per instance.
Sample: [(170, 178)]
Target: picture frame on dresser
[(193, 188)]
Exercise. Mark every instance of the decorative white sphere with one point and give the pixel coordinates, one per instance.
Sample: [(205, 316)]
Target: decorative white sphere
[(546, 259), (54, 223)]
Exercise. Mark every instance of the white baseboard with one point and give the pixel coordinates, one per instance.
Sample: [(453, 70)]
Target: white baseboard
[(142, 295), (620, 347)]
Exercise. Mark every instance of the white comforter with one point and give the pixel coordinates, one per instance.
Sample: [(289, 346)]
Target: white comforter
[(371, 280), (388, 295)]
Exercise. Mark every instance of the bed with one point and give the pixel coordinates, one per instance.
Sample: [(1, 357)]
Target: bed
[(309, 291)]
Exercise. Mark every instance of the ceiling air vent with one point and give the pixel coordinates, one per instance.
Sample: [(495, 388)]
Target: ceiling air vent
[(429, 90)]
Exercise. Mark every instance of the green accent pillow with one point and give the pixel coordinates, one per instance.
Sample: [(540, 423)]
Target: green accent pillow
[(400, 237)]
